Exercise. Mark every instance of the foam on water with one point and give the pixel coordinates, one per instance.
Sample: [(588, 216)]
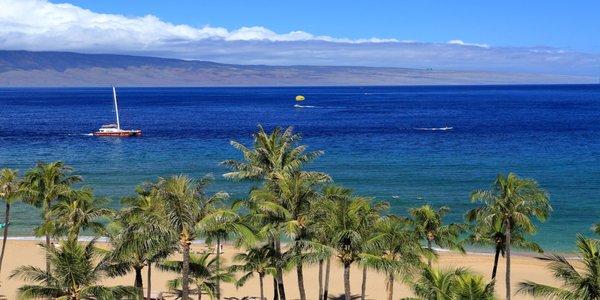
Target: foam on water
[(435, 128)]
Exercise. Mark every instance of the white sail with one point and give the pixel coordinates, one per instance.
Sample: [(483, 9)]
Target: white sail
[(116, 107)]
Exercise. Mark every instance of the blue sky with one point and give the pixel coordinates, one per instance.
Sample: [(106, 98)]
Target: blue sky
[(557, 37), (570, 25)]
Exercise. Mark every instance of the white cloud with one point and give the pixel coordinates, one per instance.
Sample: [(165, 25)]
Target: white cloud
[(36, 23), (461, 43), (43, 25)]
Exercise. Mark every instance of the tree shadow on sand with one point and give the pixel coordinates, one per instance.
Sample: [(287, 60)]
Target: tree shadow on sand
[(342, 297)]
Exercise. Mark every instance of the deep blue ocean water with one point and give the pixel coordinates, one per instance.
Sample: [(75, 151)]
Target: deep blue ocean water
[(374, 140)]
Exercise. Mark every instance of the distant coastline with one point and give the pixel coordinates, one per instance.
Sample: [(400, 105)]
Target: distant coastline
[(69, 69)]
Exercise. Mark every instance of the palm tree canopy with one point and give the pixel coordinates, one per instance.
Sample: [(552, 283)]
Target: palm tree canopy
[(80, 210), (581, 282), (394, 247), (255, 260), (203, 272), (512, 199), (140, 233), (472, 287), (46, 182), (181, 205), (273, 152), (9, 185), (75, 274), (451, 284), (494, 234), (347, 218), (428, 224)]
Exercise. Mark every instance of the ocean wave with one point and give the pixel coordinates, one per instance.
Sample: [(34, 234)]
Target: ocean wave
[(304, 106), (435, 128)]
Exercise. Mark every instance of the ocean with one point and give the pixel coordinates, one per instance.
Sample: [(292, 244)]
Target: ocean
[(384, 142)]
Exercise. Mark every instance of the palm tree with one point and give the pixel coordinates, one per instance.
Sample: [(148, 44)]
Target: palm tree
[(220, 225), (136, 249), (182, 212), (187, 208), (436, 284), (272, 220), (273, 153), (44, 185), (397, 248), (320, 252), (322, 231), (204, 274), (75, 274), (494, 234), (429, 226), (80, 210), (370, 223), (451, 284), (137, 246), (581, 281), (514, 201), (346, 215), (296, 192), (140, 236), (254, 260), (9, 192), (472, 287)]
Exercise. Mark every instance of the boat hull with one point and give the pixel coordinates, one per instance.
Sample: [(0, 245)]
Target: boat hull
[(124, 133)]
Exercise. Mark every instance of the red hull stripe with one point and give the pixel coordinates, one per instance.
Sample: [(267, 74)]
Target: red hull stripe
[(118, 134)]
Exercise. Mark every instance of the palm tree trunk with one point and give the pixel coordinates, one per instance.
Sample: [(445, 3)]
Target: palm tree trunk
[(496, 257), (300, 274), (390, 287), (320, 279), (363, 289), (347, 295), (149, 281), (275, 291), (327, 272), (279, 270), (262, 289), (507, 233), (138, 284), (185, 270), (218, 292), (46, 212), (199, 294), (430, 248), (5, 236)]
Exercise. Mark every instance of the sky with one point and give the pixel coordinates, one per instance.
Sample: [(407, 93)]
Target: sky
[(559, 37)]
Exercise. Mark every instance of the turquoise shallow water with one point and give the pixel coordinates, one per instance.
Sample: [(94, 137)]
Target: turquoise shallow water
[(376, 140)]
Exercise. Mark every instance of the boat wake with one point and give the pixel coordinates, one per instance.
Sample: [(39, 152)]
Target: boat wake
[(435, 128), (80, 134)]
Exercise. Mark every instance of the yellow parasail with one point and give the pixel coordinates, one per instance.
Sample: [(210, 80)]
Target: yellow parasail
[(299, 98)]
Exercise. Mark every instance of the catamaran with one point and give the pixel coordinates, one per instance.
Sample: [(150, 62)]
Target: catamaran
[(115, 129)]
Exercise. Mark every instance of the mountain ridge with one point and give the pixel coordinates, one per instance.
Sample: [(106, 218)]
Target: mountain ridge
[(72, 69)]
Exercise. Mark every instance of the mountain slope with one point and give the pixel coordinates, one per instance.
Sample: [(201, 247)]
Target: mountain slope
[(25, 68)]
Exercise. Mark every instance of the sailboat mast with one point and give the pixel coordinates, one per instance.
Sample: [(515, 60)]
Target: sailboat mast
[(116, 107)]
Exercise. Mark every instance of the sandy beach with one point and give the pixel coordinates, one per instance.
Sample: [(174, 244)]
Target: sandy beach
[(20, 252)]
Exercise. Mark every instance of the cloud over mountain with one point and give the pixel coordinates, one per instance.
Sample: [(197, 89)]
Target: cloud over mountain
[(43, 25)]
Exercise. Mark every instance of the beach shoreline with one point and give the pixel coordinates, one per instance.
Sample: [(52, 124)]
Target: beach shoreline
[(470, 251)]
